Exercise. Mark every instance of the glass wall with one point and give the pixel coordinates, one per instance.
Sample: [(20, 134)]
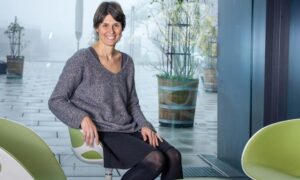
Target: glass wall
[(162, 37)]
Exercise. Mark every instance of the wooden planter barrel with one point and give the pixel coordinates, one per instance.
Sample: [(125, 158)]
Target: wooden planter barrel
[(209, 80), (15, 66), (177, 102)]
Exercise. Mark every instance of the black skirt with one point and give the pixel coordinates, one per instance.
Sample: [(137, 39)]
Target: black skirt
[(124, 150)]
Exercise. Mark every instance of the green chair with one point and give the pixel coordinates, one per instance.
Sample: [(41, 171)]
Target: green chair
[(87, 154), (24, 155), (274, 152)]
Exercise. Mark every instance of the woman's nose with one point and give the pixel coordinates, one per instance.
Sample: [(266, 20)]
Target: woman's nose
[(111, 29)]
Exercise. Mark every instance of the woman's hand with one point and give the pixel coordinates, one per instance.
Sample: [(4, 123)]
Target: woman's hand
[(90, 132), (151, 136)]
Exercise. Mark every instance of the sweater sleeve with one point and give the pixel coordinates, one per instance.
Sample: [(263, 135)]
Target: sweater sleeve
[(59, 102), (133, 105)]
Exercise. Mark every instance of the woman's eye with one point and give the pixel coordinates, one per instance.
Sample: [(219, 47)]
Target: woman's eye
[(117, 25)]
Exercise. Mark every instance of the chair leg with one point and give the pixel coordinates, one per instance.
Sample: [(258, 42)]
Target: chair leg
[(108, 173)]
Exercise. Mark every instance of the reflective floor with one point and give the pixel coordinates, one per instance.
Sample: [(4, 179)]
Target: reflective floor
[(25, 100)]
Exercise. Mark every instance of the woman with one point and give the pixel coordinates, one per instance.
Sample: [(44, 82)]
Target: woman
[(96, 92)]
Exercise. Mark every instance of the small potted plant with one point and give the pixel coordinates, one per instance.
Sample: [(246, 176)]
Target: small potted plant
[(15, 61)]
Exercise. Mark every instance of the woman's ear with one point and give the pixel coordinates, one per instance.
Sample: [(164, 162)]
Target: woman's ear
[(96, 35)]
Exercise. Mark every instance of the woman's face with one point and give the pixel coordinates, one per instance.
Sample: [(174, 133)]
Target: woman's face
[(109, 31)]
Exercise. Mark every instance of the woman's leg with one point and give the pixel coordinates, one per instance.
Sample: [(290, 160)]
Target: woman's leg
[(148, 169), (173, 168)]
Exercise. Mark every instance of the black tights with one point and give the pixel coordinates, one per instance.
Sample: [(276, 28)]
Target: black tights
[(173, 169), (156, 162)]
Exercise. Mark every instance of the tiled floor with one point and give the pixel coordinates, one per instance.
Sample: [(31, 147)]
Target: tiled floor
[(25, 100)]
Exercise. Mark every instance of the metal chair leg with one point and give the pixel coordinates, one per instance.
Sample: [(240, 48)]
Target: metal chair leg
[(108, 173)]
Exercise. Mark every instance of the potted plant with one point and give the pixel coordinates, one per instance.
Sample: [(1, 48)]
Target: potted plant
[(15, 61), (177, 78), (208, 50)]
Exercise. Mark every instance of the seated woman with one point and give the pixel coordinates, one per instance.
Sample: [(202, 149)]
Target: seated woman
[(96, 92)]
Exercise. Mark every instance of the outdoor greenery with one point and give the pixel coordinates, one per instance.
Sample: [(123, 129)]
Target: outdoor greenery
[(208, 42), (184, 28), (15, 33), (178, 25)]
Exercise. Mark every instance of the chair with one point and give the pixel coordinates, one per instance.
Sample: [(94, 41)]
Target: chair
[(24, 155), (87, 154), (274, 152)]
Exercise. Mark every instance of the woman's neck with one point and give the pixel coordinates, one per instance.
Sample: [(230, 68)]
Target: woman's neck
[(105, 51)]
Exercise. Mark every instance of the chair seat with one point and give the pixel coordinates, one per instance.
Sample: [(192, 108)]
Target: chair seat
[(11, 168), (88, 154), (265, 172)]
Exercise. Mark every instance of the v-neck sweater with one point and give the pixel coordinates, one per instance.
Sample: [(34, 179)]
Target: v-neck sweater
[(86, 88)]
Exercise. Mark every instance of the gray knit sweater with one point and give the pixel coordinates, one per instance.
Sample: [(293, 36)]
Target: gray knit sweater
[(86, 88)]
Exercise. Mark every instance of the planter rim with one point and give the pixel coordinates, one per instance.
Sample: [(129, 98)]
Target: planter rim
[(15, 59), (177, 80)]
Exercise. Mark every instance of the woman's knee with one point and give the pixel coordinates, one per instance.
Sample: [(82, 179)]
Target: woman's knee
[(157, 159), (174, 155)]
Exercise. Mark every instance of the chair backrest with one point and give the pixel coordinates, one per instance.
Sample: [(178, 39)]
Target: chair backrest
[(23, 153), (88, 154), (276, 146)]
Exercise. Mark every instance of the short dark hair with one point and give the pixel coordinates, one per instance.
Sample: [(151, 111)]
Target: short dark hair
[(112, 8)]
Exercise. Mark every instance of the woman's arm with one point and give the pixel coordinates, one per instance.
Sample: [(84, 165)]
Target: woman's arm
[(133, 104), (147, 130), (59, 102)]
